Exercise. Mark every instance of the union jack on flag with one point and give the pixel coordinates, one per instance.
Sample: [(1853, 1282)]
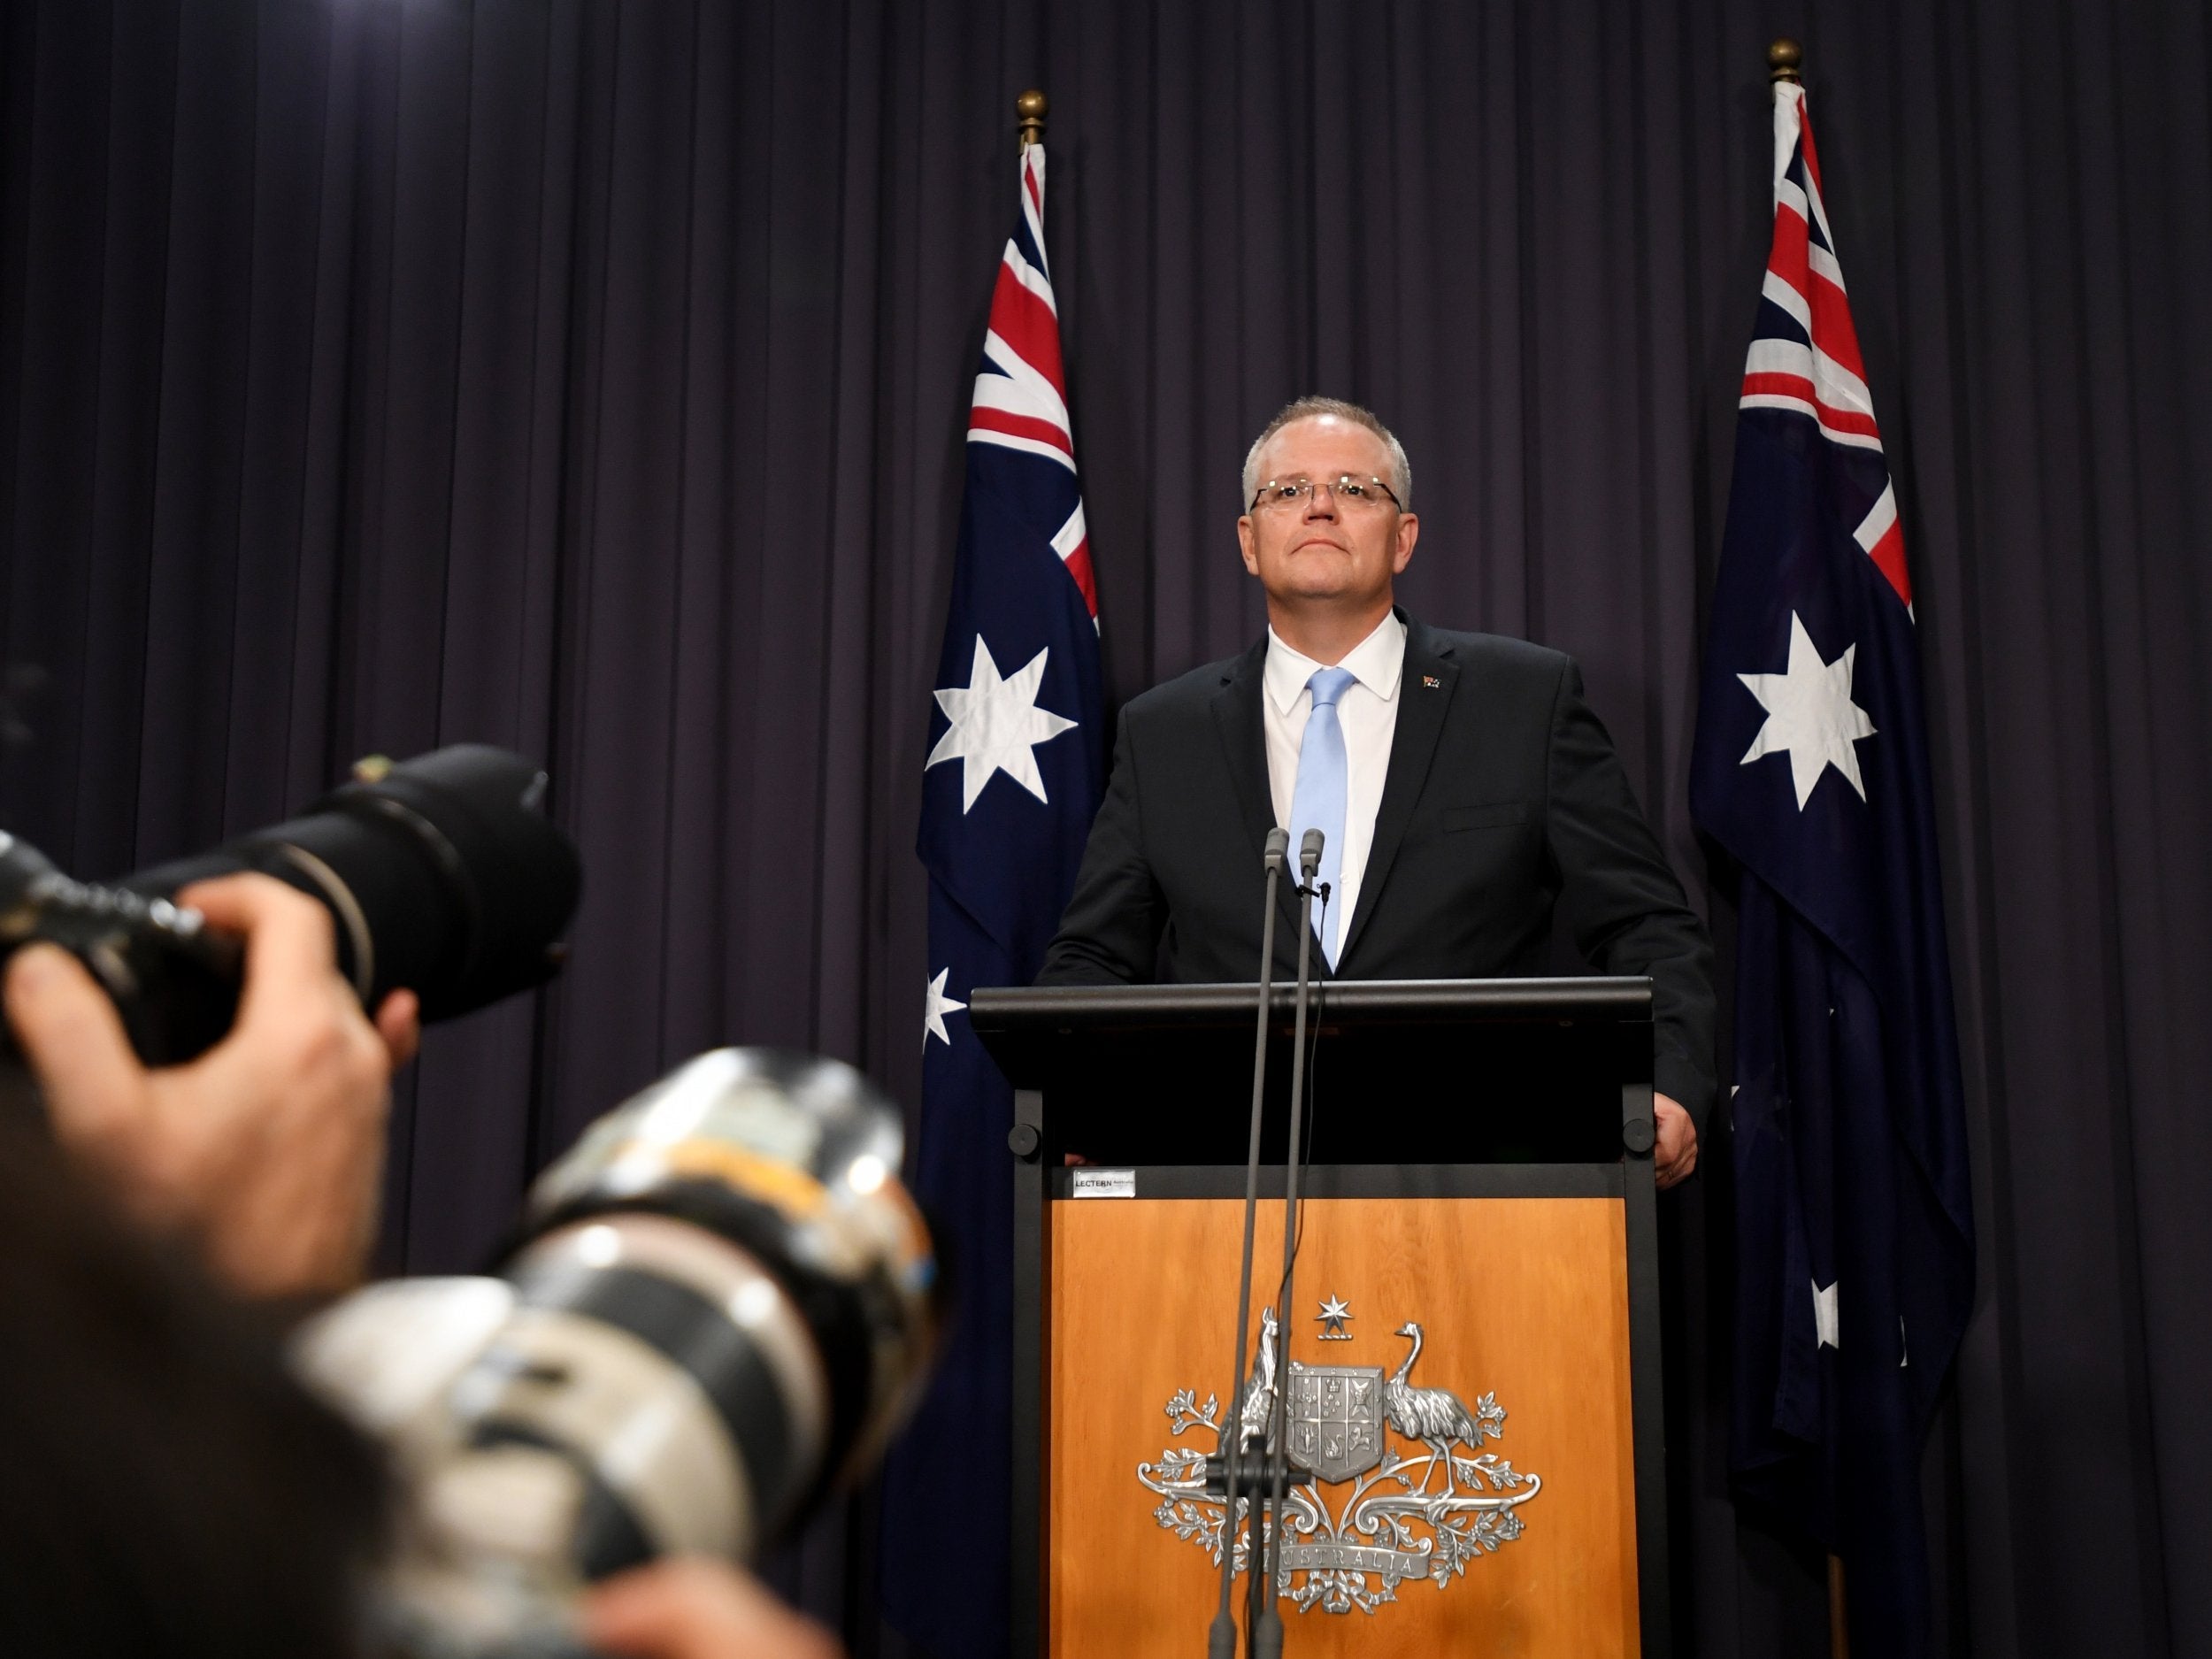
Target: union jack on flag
[(1855, 1238), (1021, 400), (1012, 779), (1807, 359)]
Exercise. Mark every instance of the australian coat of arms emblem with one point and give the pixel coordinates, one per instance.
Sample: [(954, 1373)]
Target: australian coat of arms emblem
[(1422, 1508)]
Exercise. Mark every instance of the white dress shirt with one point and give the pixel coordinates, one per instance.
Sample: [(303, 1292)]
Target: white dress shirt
[(1368, 713)]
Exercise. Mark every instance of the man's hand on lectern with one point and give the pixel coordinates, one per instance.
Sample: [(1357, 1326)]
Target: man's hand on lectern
[(1676, 1154)]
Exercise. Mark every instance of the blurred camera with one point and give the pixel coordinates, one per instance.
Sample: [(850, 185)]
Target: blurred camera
[(441, 873), (721, 1305)]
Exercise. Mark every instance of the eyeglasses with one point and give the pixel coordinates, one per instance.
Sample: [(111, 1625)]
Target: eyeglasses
[(1280, 492)]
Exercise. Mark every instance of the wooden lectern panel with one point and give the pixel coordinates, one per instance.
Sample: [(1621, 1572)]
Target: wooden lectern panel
[(1526, 1298)]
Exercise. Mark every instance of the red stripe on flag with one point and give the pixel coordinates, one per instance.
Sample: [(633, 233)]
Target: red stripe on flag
[(1026, 323), (1036, 198), (1835, 335), (1079, 564), (1847, 420), (1805, 138), (1772, 385), (1792, 254), (1888, 555), (989, 419)]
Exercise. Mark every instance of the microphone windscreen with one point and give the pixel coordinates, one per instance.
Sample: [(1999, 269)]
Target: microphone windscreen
[(1309, 853), (1278, 848)]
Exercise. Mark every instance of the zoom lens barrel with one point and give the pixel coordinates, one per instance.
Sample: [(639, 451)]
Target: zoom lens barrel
[(442, 874), (722, 1304)]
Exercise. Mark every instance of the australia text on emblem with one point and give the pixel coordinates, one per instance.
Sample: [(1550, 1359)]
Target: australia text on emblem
[(1421, 1507)]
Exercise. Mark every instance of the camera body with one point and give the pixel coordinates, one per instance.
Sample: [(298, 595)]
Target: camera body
[(174, 982)]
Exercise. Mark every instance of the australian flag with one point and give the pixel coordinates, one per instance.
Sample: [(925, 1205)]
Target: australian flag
[(1015, 771), (1855, 1239)]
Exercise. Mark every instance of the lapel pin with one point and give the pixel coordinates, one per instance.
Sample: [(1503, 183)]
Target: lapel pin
[(1431, 682)]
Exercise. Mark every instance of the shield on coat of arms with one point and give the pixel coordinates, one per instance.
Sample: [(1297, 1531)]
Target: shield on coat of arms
[(1334, 1419)]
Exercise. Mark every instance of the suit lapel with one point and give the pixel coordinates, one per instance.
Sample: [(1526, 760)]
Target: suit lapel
[(1421, 710), (1239, 718)]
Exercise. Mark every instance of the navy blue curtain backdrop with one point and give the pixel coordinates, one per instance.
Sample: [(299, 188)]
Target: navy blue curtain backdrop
[(591, 378)]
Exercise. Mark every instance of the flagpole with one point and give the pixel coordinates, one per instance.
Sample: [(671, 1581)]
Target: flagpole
[(1784, 58), (1030, 109)]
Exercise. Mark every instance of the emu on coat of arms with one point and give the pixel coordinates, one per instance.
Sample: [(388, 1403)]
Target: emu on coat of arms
[(1398, 1522)]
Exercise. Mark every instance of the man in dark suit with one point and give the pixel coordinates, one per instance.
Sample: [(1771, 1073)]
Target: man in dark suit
[(1462, 785)]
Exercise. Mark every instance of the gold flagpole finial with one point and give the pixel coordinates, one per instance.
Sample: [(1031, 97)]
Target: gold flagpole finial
[(1030, 107), (1783, 59)]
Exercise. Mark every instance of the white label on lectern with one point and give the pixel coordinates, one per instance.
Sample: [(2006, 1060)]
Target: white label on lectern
[(1105, 1183)]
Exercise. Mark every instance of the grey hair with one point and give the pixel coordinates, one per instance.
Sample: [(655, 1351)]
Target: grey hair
[(1304, 408)]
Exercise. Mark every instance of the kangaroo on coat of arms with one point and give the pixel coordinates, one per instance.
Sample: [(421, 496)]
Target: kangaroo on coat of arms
[(1391, 1527)]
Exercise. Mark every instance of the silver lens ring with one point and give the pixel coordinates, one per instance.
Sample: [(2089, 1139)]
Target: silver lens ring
[(348, 909)]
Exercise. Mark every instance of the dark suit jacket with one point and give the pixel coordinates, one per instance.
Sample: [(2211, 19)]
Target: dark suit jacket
[(1503, 798)]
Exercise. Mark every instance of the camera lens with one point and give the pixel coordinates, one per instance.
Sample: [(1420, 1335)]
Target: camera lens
[(723, 1302), (442, 874)]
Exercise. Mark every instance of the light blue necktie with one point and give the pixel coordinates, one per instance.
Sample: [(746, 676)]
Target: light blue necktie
[(1317, 800)]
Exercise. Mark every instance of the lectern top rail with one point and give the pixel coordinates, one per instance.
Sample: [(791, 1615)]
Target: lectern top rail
[(1604, 1000)]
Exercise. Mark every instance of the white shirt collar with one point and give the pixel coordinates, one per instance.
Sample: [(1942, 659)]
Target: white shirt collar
[(1376, 662)]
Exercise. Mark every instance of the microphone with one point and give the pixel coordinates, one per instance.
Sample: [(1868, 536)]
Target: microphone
[(1266, 1619), (1221, 1638)]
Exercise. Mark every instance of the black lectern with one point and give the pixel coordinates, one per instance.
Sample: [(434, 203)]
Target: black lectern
[(1479, 1169)]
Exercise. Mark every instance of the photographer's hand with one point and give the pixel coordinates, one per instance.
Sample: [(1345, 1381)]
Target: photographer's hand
[(698, 1609), (268, 1148)]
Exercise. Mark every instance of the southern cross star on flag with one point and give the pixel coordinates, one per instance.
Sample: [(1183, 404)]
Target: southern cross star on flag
[(1012, 779), (1853, 1232)]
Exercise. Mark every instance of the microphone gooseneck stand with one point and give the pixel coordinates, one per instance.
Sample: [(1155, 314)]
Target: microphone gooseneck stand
[(1221, 1640), (1267, 1620)]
